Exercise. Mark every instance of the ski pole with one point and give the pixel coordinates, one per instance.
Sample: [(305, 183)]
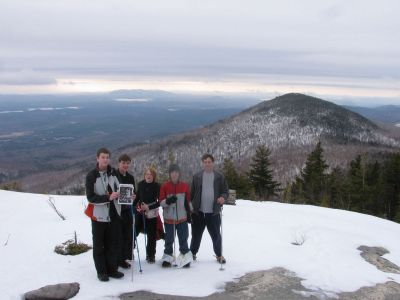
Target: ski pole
[(175, 214), (138, 253), (133, 238), (144, 228), (137, 246), (221, 267)]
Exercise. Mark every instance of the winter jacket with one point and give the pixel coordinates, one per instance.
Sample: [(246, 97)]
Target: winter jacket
[(125, 179), (100, 207), (177, 212), (148, 193), (220, 190)]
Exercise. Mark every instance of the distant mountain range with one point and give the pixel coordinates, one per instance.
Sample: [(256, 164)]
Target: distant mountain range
[(46, 139), (389, 114), (290, 125)]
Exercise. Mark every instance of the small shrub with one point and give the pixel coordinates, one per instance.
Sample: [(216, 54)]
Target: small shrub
[(71, 247)]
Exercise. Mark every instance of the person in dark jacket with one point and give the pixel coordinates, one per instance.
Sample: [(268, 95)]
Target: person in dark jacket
[(209, 191), (104, 210), (126, 233), (146, 218)]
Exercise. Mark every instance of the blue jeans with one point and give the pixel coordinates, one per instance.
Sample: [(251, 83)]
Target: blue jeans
[(182, 230)]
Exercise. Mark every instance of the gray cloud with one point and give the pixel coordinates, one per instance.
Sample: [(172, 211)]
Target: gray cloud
[(25, 77), (207, 40)]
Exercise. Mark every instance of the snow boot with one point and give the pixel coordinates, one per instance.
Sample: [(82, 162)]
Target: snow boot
[(184, 259), (167, 260), (116, 275), (151, 259), (103, 277), (124, 265), (221, 260)]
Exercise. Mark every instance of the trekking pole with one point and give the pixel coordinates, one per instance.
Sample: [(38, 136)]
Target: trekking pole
[(138, 254), (135, 241), (133, 238), (221, 267), (175, 214), (144, 229)]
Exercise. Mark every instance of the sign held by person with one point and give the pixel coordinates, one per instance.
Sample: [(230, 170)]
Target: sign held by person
[(125, 194)]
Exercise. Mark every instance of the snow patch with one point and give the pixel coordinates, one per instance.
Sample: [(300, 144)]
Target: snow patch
[(137, 100), (52, 108), (11, 111), (257, 236)]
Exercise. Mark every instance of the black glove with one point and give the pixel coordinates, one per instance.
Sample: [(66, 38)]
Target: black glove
[(189, 218), (171, 199)]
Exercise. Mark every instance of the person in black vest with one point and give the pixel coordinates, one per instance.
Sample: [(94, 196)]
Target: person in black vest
[(147, 201), (126, 236), (104, 210)]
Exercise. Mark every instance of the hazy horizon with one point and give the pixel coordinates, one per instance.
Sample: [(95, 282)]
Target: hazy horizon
[(367, 102)]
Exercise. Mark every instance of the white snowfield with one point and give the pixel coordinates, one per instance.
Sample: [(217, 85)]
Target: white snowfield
[(257, 236)]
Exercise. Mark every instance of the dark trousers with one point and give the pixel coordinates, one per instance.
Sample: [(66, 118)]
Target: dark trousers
[(148, 227), (182, 230), (126, 236), (105, 245), (213, 223)]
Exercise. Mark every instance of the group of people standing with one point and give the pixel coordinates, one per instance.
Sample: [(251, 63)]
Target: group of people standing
[(115, 226)]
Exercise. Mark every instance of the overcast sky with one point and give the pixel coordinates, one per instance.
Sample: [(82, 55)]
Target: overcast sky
[(335, 49)]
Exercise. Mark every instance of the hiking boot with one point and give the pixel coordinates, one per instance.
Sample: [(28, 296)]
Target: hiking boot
[(124, 265), (151, 259), (187, 266), (116, 275), (166, 264), (221, 259), (194, 257), (103, 277)]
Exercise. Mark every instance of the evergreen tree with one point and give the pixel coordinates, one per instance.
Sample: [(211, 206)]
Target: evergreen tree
[(297, 196), (313, 177), (336, 188), (374, 203), (230, 173), (260, 174), (355, 185), (366, 185), (391, 187), (236, 181)]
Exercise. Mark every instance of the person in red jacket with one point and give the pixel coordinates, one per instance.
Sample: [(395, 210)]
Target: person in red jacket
[(175, 201)]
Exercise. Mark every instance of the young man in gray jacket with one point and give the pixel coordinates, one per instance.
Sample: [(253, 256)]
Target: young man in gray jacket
[(208, 193), (105, 212)]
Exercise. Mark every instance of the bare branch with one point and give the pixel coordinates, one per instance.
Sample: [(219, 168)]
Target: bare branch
[(8, 238), (53, 206)]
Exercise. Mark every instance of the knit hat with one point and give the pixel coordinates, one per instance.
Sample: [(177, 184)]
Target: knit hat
[(174, 168)]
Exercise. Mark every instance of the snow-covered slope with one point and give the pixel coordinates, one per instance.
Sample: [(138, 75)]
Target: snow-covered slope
[(258, 236), (290, 125)]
